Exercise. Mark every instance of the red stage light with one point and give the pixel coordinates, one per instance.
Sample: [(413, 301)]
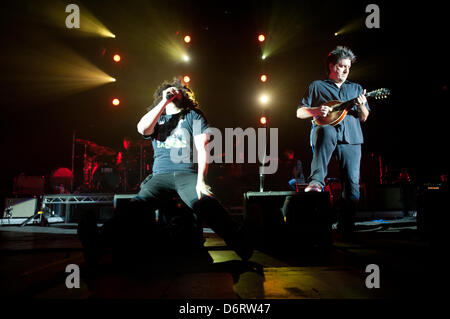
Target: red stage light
[(117, 58), (186, 79), (187, 39), (263, 78), (261, 38), (115, 102), (263, 120)]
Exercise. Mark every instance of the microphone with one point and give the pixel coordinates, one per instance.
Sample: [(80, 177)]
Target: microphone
[(171, 94)]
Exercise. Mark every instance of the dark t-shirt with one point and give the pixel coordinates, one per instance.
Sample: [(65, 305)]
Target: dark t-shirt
[(173, 141), (322, 91)]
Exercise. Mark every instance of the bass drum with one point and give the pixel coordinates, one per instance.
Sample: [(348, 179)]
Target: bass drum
[(106, 179)]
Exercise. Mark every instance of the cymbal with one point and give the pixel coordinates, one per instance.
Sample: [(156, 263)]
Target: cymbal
[(95, 148), (101, 150), (82, 141)]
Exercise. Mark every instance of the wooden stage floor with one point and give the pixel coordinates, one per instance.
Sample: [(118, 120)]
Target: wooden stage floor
[(34, 261)]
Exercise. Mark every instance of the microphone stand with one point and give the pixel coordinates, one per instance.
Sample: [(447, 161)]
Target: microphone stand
[(261, 174), (73, 161)]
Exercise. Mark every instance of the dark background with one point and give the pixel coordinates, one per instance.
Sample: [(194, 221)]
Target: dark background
[(407, 54)]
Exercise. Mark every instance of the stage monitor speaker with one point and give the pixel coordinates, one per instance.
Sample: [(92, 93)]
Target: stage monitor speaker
[(21, 207), (309, 220), (264, 215), (286, 220), (102, 212), (122, 199)]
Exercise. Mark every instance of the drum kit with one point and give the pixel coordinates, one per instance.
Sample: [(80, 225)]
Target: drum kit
[(105, 170)]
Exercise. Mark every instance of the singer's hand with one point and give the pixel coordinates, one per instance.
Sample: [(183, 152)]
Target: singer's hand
[(169, 93), (203, 189)]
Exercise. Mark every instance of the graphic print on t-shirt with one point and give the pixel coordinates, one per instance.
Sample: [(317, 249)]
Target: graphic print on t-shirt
[(176, 139)]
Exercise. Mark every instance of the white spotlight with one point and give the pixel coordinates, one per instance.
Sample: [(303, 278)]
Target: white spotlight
[(263, 99)]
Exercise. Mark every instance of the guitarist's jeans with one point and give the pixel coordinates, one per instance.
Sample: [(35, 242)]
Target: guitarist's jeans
[(326, 140)]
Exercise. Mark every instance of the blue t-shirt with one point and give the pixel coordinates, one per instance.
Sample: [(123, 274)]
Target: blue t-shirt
[(173, 141), (322, 91)]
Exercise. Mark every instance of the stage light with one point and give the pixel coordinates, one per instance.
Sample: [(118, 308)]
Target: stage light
[(116, 58), (187, 39), (352, 26), (60, 72), (263, 120), (116, 102), (186, 79), (185, 58), (112, 80), (263, 57), (263, 78), (261, 38), (264, 99)]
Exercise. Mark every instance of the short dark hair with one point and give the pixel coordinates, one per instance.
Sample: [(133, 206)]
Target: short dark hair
[(187, 101), (339, 53)]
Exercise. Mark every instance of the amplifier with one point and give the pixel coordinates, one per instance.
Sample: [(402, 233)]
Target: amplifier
[(432, 212), (28, 185), (21, 207)]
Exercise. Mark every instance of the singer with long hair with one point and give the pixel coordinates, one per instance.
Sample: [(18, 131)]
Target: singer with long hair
[(175, 126)]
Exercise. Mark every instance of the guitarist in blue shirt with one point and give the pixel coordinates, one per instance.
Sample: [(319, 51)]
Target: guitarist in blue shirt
[(345, 138)]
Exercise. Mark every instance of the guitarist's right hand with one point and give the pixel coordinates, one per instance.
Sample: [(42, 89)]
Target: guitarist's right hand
[(324, 110)]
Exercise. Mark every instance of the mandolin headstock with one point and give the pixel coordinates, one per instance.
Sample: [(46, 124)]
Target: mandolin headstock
[(379, 93)]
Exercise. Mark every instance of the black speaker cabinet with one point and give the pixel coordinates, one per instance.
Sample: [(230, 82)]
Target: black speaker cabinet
[(288, 219), (432, 212), (102, 212), (309, 219)]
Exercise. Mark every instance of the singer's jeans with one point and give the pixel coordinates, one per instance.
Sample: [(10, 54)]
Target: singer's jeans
[(158, 189), (325, 140), (162, 187)]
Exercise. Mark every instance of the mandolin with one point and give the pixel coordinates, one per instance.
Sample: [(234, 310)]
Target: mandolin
[(340, 109)]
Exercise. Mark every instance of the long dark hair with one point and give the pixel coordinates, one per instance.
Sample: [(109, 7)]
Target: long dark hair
[(187, 101)]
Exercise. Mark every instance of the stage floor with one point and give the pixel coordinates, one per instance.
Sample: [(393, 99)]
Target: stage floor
[(34, 260)]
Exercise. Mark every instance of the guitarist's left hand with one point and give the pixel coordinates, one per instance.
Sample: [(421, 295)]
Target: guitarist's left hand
[(363, 112), (361, 100)]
